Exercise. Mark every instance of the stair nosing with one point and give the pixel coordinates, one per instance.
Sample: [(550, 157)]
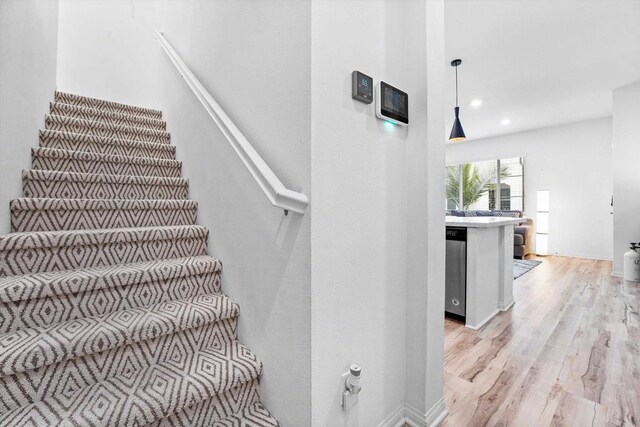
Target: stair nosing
[(99, 157), (66, 238), (46, 175), (150, 316), (107, 114), (83, 137), (241, 414), (108, 102), (101, 125), (53, 204), (205, 390), (63, 282)]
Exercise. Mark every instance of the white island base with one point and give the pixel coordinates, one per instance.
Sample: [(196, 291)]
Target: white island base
[(489, 266)]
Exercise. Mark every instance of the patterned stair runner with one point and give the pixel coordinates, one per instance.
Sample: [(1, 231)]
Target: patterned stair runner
[(111, 311)]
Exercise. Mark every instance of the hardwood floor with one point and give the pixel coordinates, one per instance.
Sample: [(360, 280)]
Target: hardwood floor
[(567, 353)]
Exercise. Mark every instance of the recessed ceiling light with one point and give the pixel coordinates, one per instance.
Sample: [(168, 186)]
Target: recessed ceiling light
[(476, 103), (505, 122)]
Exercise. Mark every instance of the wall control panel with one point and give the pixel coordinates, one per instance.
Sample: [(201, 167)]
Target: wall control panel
[(392, 104), (361, 87)]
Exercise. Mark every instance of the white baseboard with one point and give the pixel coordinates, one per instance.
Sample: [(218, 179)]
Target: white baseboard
[(413, 417), (503, 307), (407, 414), (585, 256), (437, 413), (620, 275), (395, 419), (482, 323)]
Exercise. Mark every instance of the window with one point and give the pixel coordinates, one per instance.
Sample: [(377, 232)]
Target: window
[(491, 185)]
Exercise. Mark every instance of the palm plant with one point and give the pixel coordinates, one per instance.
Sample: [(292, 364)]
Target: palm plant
[(474, 183)]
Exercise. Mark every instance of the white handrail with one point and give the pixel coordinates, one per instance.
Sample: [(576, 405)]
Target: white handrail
[(278, 194)]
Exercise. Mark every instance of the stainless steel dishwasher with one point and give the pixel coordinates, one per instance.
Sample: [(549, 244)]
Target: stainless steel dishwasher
[(456, 273)]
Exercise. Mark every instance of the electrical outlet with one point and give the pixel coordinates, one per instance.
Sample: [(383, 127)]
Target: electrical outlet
[(348, 399)]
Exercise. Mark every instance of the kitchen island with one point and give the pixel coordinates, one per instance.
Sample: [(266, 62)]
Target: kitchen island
[(489, 266)]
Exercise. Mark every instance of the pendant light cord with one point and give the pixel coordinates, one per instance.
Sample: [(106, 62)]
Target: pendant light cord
[(456, 85)]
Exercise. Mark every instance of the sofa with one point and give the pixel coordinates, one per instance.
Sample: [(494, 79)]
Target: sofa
[(523, 233)]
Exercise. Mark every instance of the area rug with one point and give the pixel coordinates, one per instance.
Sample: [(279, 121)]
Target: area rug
[(523, 266)]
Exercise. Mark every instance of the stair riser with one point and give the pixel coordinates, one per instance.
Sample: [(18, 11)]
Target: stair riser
[(160, 391), (106, 117), (171, 350), (52, 284), (62, 189), (36, 260), (101, 105), (56, 220), (118, 133), (50, 310), (102, 167), (216, 408), (90, 145)]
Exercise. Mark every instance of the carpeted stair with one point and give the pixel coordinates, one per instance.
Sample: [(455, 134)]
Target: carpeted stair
[(111, 310)]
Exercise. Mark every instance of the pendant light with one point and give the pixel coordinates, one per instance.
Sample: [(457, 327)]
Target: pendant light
[(457, 133)]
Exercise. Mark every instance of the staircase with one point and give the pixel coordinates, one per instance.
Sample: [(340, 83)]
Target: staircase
[(111, 311)]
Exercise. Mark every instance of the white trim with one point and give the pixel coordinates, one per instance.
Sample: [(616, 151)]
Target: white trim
[(407, 414), (503, 307), (482, 323), (437, 413), (617, 274), (584, 256), (276, 192), (413, 417), (395, 418)]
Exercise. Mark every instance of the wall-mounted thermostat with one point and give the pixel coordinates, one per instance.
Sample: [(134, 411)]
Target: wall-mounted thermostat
[(392, 104), (361, 87)]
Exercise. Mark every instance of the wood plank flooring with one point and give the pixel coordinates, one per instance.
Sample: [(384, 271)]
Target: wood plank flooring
[(567, 353)]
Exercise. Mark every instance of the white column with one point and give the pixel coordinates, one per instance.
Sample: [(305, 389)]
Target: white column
[(505, 300), (484, 263)]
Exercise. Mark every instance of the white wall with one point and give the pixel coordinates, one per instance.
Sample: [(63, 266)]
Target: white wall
[(259, 75), (245, 55), (281, 70), (373, 229), (626, 179), (573, 162), (28, 36), (106, 51)]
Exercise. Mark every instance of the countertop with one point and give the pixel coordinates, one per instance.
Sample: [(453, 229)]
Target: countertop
[(481, 221)]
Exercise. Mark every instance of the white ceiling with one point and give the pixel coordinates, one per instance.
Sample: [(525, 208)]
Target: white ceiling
[(538, 62)]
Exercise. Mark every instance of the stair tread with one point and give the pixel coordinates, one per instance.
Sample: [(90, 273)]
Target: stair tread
[(46, 214), (147, 395), (223, 405), (255, 415), (57, 153), (64, 282), (73, 121), (70, 97), (38, 183), (67, 109), (26, 349), (52, 239), (43, 158), (32, 203), (48, 134), (44, 175)]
